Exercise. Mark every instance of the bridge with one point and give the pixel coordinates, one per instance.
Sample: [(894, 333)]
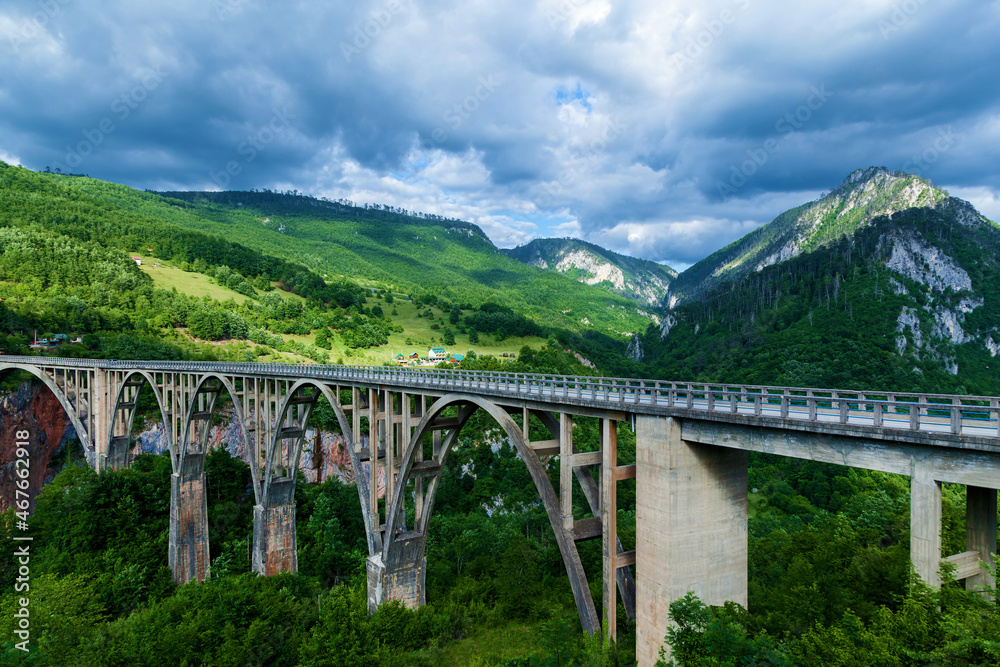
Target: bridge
[(690, 472)]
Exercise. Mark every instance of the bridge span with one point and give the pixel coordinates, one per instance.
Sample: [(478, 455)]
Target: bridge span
[(692, 444)]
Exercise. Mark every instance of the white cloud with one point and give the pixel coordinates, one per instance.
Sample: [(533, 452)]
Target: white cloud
[(608, 121), (986, 200), (9, 159)]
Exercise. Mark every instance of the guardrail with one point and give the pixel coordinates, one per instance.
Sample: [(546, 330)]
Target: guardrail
[(937, 413)]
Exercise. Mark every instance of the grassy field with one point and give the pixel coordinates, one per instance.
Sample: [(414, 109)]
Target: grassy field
[(417, 336), (196, 284)]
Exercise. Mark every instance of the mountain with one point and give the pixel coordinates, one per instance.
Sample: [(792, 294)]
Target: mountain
[(886, 282), (864, 195), (275, 276), (640, 280), (388, 248)]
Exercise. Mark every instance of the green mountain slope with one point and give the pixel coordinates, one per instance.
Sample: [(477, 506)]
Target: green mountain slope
[(640, 280), (384, 248), (908, 301), (862, 197)]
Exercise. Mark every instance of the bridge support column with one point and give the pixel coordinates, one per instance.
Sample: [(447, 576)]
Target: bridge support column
[(275, 549), (981, 532), (925, 525), (188, 542), (117, 456), (101, 404), (691, 527), (402, 579)]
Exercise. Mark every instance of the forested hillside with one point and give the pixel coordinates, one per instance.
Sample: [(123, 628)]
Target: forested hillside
[(905, 302), (220, 281), (865, 195), (375, 246), (640, 280)]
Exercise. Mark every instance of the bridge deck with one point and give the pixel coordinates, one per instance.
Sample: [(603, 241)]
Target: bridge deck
[(965, 422)]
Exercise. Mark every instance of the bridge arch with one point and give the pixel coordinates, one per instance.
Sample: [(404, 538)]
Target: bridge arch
[(82, 431), (321, 390), (119, 405), (192, 414), (399, 547)]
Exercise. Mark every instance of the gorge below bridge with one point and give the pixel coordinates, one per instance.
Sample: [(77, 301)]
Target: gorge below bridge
[(690, 470)]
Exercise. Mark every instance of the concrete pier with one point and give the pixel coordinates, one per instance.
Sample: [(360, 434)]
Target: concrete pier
[(691, 526), (274, 539), (925, 524), (403, 579), (981, 532), (187, 552)]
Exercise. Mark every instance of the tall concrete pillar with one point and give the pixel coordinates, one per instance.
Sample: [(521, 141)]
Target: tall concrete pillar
[(403, 578), (925, 524), (117, 456), (981, 532), (275, 549), (99, 395), (187, 552), (691, 527)]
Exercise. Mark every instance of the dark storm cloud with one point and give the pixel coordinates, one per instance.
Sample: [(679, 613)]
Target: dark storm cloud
[(665, 131)]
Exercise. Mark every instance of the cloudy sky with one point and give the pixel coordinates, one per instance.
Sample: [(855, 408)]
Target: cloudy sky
[(661, 129)]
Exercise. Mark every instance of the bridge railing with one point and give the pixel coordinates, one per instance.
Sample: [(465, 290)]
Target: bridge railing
[(940, 413)]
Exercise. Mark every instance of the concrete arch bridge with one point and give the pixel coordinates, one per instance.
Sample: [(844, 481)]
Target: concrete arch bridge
[(692, 444)]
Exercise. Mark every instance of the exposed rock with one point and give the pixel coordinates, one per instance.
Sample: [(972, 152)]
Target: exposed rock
[(321, 459), (909, 320), (992, 346), (640, 280), (948, 326), (926, 264), (33, 408), (582, 359), (668, 323), (634, 350)]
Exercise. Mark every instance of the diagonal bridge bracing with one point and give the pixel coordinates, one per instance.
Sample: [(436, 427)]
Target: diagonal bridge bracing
[(692, 441)]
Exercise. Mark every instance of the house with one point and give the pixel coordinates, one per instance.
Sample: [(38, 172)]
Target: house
[(138, 260), (456, 359), (59, 339), (401, 360), (415, 358), (437, 354)]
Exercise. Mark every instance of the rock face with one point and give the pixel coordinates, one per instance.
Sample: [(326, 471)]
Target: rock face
[(865, 195), (634, 350), (33, 408), (640, 280), (324, 453)]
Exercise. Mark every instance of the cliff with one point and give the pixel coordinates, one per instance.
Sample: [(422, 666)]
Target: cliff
[(32, 408)]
